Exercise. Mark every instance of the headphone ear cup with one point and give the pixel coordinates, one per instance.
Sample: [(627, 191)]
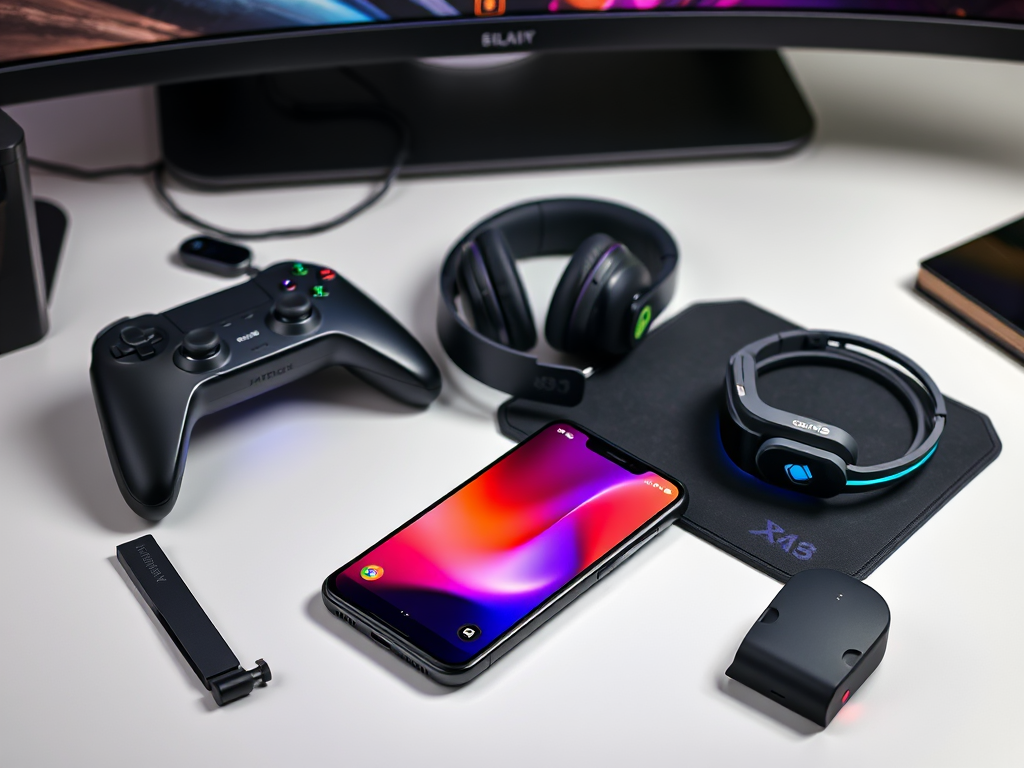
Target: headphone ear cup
[(590, 309), (556, 327), (477, 294), (508, 289), (791, 464)]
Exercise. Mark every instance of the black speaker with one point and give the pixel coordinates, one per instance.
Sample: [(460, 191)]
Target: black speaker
[(31, 234)]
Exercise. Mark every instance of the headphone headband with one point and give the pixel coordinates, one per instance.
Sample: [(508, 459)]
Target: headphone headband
[(541, 228), (768, 430)]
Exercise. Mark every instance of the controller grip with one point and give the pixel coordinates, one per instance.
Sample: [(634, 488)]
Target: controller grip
[(146, 434)]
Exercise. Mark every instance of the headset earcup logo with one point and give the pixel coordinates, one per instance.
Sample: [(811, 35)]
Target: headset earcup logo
[(799, 473), (642, 322)]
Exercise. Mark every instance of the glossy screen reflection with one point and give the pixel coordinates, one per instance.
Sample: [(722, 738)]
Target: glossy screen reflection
[(498, 547)]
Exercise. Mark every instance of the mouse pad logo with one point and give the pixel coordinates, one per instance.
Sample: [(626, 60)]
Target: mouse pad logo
[(799, 473)]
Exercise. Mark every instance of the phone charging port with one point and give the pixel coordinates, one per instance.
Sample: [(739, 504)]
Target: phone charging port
[(380, 640)]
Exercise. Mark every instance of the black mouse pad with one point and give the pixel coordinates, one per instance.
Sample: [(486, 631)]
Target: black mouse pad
[(662, 403)]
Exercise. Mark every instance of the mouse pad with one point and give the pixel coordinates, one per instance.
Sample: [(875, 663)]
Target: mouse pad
[(662, 404)]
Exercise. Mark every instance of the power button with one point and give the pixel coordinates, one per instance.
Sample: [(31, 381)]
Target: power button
[(626, 555)]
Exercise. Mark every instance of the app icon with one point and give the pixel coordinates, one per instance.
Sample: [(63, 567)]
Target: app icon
[(468, 632), (799, 473), (489, 7), (371, 572)]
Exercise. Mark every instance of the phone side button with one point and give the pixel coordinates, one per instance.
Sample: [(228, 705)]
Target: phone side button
[(626, 555)]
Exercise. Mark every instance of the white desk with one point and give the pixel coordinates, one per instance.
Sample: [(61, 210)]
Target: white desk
[(912, 154)]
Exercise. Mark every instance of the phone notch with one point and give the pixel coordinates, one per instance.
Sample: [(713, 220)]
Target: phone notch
[(600, 447)]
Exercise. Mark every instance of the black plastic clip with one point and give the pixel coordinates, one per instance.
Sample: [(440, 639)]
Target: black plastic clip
[(187, 623)]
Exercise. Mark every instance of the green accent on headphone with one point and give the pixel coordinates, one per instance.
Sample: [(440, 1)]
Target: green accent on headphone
[(642, 322)]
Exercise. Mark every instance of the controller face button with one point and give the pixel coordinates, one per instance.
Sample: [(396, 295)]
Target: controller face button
[(288, 285), (293, 308), (319, 292), (327, 274), (300, 270), (200, 344)]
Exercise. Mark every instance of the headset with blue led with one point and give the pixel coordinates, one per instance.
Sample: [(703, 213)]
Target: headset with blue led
[(808, 455)]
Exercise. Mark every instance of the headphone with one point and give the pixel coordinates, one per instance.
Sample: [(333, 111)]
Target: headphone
[(620, 277), (807, 455)]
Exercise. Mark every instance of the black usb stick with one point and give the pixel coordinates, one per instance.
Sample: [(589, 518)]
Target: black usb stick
[(187, 623)]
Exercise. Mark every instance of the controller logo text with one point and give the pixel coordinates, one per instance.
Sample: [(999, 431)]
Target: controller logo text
[(270, 374)]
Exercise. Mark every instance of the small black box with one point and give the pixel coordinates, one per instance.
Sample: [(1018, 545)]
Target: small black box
[(815, 644)]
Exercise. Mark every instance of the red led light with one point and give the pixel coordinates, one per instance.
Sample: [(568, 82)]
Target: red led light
[(846, 696)]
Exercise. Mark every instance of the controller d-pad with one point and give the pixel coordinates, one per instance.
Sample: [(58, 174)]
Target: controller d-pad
[(133, 336), (138, 341)]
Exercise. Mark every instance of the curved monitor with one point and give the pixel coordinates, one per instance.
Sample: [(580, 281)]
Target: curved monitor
[(57, 47)]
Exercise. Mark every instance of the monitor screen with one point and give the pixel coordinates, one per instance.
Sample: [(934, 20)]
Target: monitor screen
[(41, 29)]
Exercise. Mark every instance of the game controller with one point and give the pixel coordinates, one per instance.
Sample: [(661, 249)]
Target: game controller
[(155, 376)]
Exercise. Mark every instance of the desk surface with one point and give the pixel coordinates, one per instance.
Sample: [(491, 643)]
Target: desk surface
[(913, 154)]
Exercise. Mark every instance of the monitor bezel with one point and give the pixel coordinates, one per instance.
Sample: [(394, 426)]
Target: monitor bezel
[(296, 49)]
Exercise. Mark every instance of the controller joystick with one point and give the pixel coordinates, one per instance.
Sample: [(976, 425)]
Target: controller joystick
[(293, 308), (293, 314), (155, 376), (200, 344), (201, 350)]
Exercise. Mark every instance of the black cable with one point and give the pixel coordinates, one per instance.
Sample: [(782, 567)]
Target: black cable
[(158, 170), (91, 174), (312, 229)]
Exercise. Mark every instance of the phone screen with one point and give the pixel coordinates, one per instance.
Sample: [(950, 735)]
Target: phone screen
[(470, 567)]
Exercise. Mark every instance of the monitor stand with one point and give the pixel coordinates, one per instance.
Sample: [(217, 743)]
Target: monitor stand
[(53, 224), (544, 109)]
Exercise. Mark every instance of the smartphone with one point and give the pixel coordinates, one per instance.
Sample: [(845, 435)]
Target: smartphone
[(470, 577), (982, 283)]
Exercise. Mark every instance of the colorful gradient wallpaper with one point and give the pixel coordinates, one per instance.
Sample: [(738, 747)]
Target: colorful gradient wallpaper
[(43, 28), (509, 539)]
